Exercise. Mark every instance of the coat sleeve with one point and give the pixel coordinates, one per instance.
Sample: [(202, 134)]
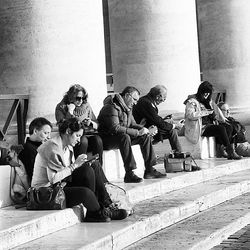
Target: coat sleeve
[(150, 114), (62, 113), (192, 111), (109, 116), (56, 170)]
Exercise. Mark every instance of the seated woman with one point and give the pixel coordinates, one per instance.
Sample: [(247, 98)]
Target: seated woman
[(75, 104), (242, 146), (55, 162), (39, 131), (201, 119)]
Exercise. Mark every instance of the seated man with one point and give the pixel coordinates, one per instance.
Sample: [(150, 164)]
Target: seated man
[(39, 130), (146, 111), (118, 129), (242, 146)]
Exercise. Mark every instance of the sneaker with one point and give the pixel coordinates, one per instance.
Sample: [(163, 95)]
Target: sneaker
[(115, 213), (97, 216), (153, 174), (130, 177)]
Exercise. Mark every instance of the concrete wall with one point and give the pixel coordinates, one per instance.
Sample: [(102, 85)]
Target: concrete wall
[(155, 42), (47, 45), (224, 35)]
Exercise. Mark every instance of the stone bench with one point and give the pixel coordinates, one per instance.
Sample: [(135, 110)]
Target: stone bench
[(204, 149), (113, 163)]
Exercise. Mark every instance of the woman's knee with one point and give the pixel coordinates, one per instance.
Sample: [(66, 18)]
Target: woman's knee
[(84, 141)]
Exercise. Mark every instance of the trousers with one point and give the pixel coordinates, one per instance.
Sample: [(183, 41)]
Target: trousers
[(124, 142)]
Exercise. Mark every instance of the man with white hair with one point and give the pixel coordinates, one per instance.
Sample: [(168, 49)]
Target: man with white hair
[(146, 111)]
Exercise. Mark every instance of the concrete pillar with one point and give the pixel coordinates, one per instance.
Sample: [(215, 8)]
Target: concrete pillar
[(155, 42), (224, 32), (47, 45)]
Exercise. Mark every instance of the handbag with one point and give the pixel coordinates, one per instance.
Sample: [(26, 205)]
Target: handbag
[(182, 163), (46, 198), (119, 196)]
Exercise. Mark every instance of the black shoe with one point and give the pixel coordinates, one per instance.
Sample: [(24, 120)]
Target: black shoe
[(98, 216), (195, 168), (153, 174), (130, 177), (115, 213)]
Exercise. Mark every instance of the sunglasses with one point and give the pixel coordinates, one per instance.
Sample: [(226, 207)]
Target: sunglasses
[(78, 98)]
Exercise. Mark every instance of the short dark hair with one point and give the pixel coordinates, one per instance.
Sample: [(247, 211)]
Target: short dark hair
[(129, 90), (38, 123), (72, 92), (72, 123)]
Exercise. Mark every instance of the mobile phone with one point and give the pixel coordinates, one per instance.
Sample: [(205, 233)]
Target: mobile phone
[(92, 158), (168, 117)]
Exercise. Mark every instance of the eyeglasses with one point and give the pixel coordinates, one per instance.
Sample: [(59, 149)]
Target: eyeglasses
[(135, 100), (79, 98)]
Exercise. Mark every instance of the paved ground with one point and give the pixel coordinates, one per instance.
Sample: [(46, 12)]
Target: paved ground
[(238, 241)]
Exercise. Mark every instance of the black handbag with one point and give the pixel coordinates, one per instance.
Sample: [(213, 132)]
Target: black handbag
[(46, 198)]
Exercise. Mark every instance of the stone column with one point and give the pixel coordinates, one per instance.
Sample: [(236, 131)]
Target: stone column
[(224, 31), (46, 46), (155, 42)]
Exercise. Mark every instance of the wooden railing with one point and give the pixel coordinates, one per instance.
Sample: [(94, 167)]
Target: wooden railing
[(20, 108)]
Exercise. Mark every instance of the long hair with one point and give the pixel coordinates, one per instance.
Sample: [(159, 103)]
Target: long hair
[(205, 87), (72, 92)]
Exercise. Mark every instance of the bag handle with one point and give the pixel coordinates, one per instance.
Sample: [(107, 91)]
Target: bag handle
[(38, 199)]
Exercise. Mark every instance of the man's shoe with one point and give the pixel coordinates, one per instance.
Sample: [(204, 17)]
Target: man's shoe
[(153, 174), (130, 177), (115, 213)]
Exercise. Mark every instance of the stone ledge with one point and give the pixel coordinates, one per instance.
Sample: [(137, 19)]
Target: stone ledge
[(151, 216)]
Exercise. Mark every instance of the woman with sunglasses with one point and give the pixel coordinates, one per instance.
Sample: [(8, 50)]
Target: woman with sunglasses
[(75, 104), (55, 162), (203, 118)]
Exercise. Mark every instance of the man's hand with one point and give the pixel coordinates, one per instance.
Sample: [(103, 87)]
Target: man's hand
[(71, 108), (153, 130), (143, 131)]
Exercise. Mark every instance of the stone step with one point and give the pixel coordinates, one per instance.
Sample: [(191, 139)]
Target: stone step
[(204, 230), (150, 216)]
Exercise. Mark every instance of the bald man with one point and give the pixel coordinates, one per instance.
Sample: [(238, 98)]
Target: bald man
[(146, 110)]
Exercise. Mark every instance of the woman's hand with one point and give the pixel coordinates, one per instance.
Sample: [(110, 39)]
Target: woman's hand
[(80, 160), (87, 121), (71, 108)]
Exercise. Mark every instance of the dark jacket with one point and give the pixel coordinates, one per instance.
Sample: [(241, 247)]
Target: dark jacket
[(28, 155), (116, 118), (145, 108)]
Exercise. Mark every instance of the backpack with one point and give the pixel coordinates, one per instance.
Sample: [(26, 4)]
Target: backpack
[(19, 182)]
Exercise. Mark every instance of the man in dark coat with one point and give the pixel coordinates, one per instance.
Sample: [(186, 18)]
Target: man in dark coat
[(146, 111), (118, 129)]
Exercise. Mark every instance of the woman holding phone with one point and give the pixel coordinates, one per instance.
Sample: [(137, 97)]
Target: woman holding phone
[(75, 104), (202, 117), (55, 162)]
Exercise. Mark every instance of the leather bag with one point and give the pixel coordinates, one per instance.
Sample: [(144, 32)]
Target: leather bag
[(46, 198), (173, 165)]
